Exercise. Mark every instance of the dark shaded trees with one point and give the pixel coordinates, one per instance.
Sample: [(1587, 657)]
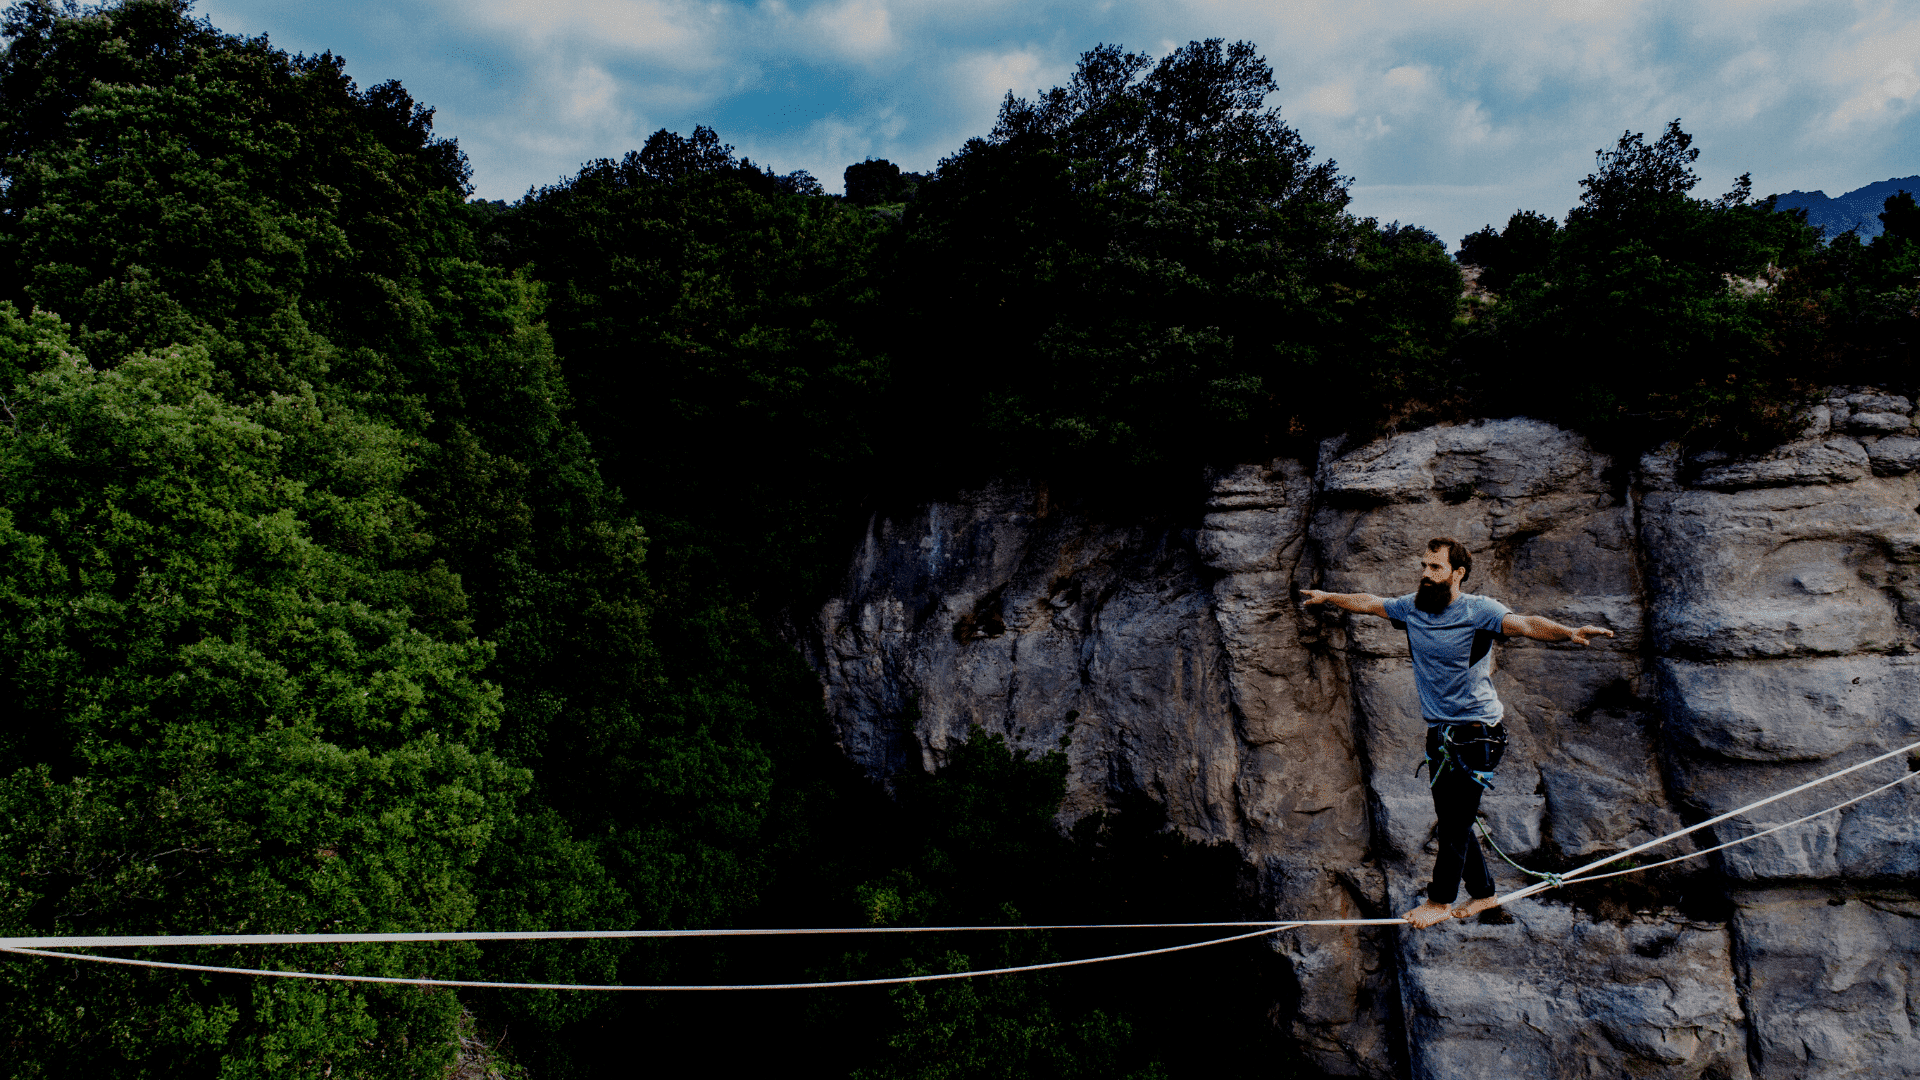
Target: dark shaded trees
[(876, 181), (757, 371), (1851, 311), (1147, 267), (718, 338), (1525, 246), (1652, 310)]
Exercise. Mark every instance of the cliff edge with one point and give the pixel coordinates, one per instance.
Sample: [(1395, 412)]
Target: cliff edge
[(1765, 612)]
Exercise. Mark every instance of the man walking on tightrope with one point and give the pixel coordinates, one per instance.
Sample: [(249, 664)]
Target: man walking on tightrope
[(1451, 635)]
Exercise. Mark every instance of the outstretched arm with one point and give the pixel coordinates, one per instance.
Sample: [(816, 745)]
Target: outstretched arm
[(1362, 603), (1541, 628)]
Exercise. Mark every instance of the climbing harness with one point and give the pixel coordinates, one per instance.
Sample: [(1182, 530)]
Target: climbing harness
[(48, 946), (1474, 747)]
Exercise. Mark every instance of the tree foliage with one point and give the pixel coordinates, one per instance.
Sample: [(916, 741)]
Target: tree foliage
[(314, 458), (221, 709), (718, 338), (874, 182), (1147, 266), (1657, 309)]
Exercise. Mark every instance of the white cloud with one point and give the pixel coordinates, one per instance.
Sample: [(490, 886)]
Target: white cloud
[(676, 34), (1407, 79), (1502, 101), (1887, 82), (1331, 99), (1371, 128), (591, 95), (855, 29), (1472, 125), (983, 79)]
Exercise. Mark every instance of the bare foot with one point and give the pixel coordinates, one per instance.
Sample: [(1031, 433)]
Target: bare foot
[(1476, 906), (1427, 914)]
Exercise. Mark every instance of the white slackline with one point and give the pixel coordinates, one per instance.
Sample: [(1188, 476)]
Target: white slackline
[(749, 986), (1755, 836), (1561, 879), (40, 946), (562, 935)]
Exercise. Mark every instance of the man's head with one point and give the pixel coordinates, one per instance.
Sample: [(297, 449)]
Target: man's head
[(1443, 569)]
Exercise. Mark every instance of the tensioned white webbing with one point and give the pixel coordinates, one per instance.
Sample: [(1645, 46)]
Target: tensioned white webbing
[(1754, 836), (1570, 875), (748, 986), (42, 946), (561, 935)]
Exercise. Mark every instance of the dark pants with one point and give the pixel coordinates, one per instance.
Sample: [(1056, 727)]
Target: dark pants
[(1455, 754)]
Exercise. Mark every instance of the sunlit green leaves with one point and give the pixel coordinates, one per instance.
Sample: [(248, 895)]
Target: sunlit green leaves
[(217, 722)]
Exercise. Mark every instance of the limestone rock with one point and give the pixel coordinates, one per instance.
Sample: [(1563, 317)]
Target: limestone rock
[(1498, 458), (1819, 421), (1793, 571), (1867, 411), (1554, 993), (1825, 461), (1878, 423), (1895, 455), (1787, 710), (1878, 414), (1765, 613), (1176, 663), (1746, 731), (1831, 984)]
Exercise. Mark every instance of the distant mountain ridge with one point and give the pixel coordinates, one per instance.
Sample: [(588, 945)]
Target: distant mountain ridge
[(1858, 209)]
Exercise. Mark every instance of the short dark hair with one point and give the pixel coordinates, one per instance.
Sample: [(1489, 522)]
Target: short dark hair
[(1457, 554)]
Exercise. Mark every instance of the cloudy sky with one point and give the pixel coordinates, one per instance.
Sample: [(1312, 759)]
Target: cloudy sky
[(1446, 114)]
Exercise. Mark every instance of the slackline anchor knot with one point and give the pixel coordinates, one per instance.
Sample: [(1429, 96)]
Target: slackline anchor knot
[(1553, 881)]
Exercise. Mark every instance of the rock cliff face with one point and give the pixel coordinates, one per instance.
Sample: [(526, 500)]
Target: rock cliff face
[(1764, 612)]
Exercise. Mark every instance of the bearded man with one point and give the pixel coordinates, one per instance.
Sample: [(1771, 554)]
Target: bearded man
[(1451, 636)]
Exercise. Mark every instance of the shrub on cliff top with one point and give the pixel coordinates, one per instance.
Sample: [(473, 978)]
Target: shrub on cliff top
[(1146, 268), (1658, 315)]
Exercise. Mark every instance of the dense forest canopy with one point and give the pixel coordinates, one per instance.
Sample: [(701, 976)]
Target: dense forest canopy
[(376, 558), (1707, 320)]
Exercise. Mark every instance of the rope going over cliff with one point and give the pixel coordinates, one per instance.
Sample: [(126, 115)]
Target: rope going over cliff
[(1582, 871), (49, 946)]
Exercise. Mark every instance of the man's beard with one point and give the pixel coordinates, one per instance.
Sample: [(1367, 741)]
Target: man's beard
[(1433, 596)]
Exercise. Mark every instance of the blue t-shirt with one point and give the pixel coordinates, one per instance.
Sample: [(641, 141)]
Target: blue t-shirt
[(1453, 657)]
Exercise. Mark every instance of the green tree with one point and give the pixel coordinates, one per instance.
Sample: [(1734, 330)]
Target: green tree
[(1147, 268), (170, 187), (222, 717), (876, 181), (1851, 310), (166, 182), (1525, 246), (1657, 310), (718, 337)]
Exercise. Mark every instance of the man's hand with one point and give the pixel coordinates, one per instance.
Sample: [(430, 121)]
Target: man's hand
[(1314, 596), (1580, 636)]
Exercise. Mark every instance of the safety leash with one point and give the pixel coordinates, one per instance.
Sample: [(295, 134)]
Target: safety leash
[(1553, 881)]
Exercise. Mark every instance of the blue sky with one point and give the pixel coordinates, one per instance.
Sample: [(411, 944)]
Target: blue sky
[(1447, 115)]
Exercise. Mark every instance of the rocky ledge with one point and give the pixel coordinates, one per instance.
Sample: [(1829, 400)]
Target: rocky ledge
[(1764, 612)]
